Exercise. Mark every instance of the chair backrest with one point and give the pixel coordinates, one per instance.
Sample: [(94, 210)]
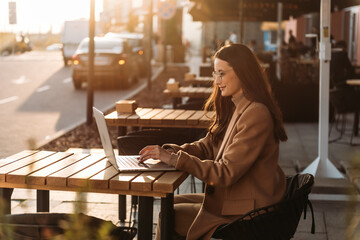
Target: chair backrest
[(132, 143), (274, 222), (344, 100)]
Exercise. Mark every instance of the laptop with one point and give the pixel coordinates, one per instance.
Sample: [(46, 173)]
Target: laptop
[(125, 163)]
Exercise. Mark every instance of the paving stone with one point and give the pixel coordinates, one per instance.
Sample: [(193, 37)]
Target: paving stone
[(332, 186), (305, 224), (306, 236), (338, 223)]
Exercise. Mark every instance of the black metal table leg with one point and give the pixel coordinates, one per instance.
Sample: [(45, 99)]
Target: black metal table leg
[(145, 218), (122, 198), (122, 208), (356, 124), (42, 200), (176, 101), (5, 200), (167, 217)]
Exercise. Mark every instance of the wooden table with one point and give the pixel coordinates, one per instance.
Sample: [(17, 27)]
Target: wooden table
[(355, 82), (160, 117), (200, 81), (47, 170), (191, 92)]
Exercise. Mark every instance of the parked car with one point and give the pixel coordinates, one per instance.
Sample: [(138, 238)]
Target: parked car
[(114, 64), (135, 41)]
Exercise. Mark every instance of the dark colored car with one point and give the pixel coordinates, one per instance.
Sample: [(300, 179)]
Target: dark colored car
[(114, 63), (135, 41)]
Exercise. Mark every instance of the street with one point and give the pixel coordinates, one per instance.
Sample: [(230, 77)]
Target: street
[(38, 101)]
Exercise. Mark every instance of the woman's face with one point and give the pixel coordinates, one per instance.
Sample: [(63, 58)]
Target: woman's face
[(226, 79)]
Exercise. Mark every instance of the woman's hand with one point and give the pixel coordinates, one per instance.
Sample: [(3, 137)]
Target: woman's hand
[(155, 152)]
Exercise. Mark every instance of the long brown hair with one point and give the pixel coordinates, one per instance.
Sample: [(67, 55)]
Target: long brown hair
[(255, 87)]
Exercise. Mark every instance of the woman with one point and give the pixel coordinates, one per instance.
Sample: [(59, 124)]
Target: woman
[(238, 158)]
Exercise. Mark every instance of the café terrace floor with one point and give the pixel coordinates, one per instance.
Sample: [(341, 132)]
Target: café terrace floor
[(334, 215)]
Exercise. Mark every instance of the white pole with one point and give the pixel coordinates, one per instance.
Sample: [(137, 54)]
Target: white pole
[(322, 167), (279, 40)]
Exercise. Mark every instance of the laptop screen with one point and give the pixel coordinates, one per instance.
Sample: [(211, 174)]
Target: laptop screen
[(105, 137)]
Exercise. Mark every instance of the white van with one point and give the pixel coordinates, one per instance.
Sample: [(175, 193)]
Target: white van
[(73, 32)]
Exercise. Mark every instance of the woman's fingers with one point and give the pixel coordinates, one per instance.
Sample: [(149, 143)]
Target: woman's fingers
[(147, 148), (154, 152), (148, 152)]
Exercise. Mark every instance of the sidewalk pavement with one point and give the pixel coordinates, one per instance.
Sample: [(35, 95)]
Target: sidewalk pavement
[(336, 208)]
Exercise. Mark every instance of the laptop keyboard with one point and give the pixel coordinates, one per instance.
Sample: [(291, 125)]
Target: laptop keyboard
[(128, 162)]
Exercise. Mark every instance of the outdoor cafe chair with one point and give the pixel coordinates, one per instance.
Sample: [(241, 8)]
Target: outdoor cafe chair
[(344, 100), (274, 222)]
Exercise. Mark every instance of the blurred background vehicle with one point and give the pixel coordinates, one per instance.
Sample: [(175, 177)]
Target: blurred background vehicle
[(115, 65), (72, 33), (135, 41), (21, 44), (54, 47)]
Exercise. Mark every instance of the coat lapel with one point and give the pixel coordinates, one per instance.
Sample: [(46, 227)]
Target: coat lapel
[(226, 136), (241, 104)]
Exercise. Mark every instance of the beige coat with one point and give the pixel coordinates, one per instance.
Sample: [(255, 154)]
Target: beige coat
[(241, 173)]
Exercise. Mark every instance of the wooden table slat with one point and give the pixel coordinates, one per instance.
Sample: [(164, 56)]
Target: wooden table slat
[(148, 116), (169, 181), (121, 118), (201, 81), (194, 119), (101, 180), (118, 117), (39, 177), (81, 178), (186, 89), (182, 118), (144, 181), (16, 157), (59, 178), (134, 118), (209, 79), (204, 120), (22, 162), (158, 118), (19, 175), (112, 116), (196, 90), (122, 181), (21, 155), (170, 119)]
